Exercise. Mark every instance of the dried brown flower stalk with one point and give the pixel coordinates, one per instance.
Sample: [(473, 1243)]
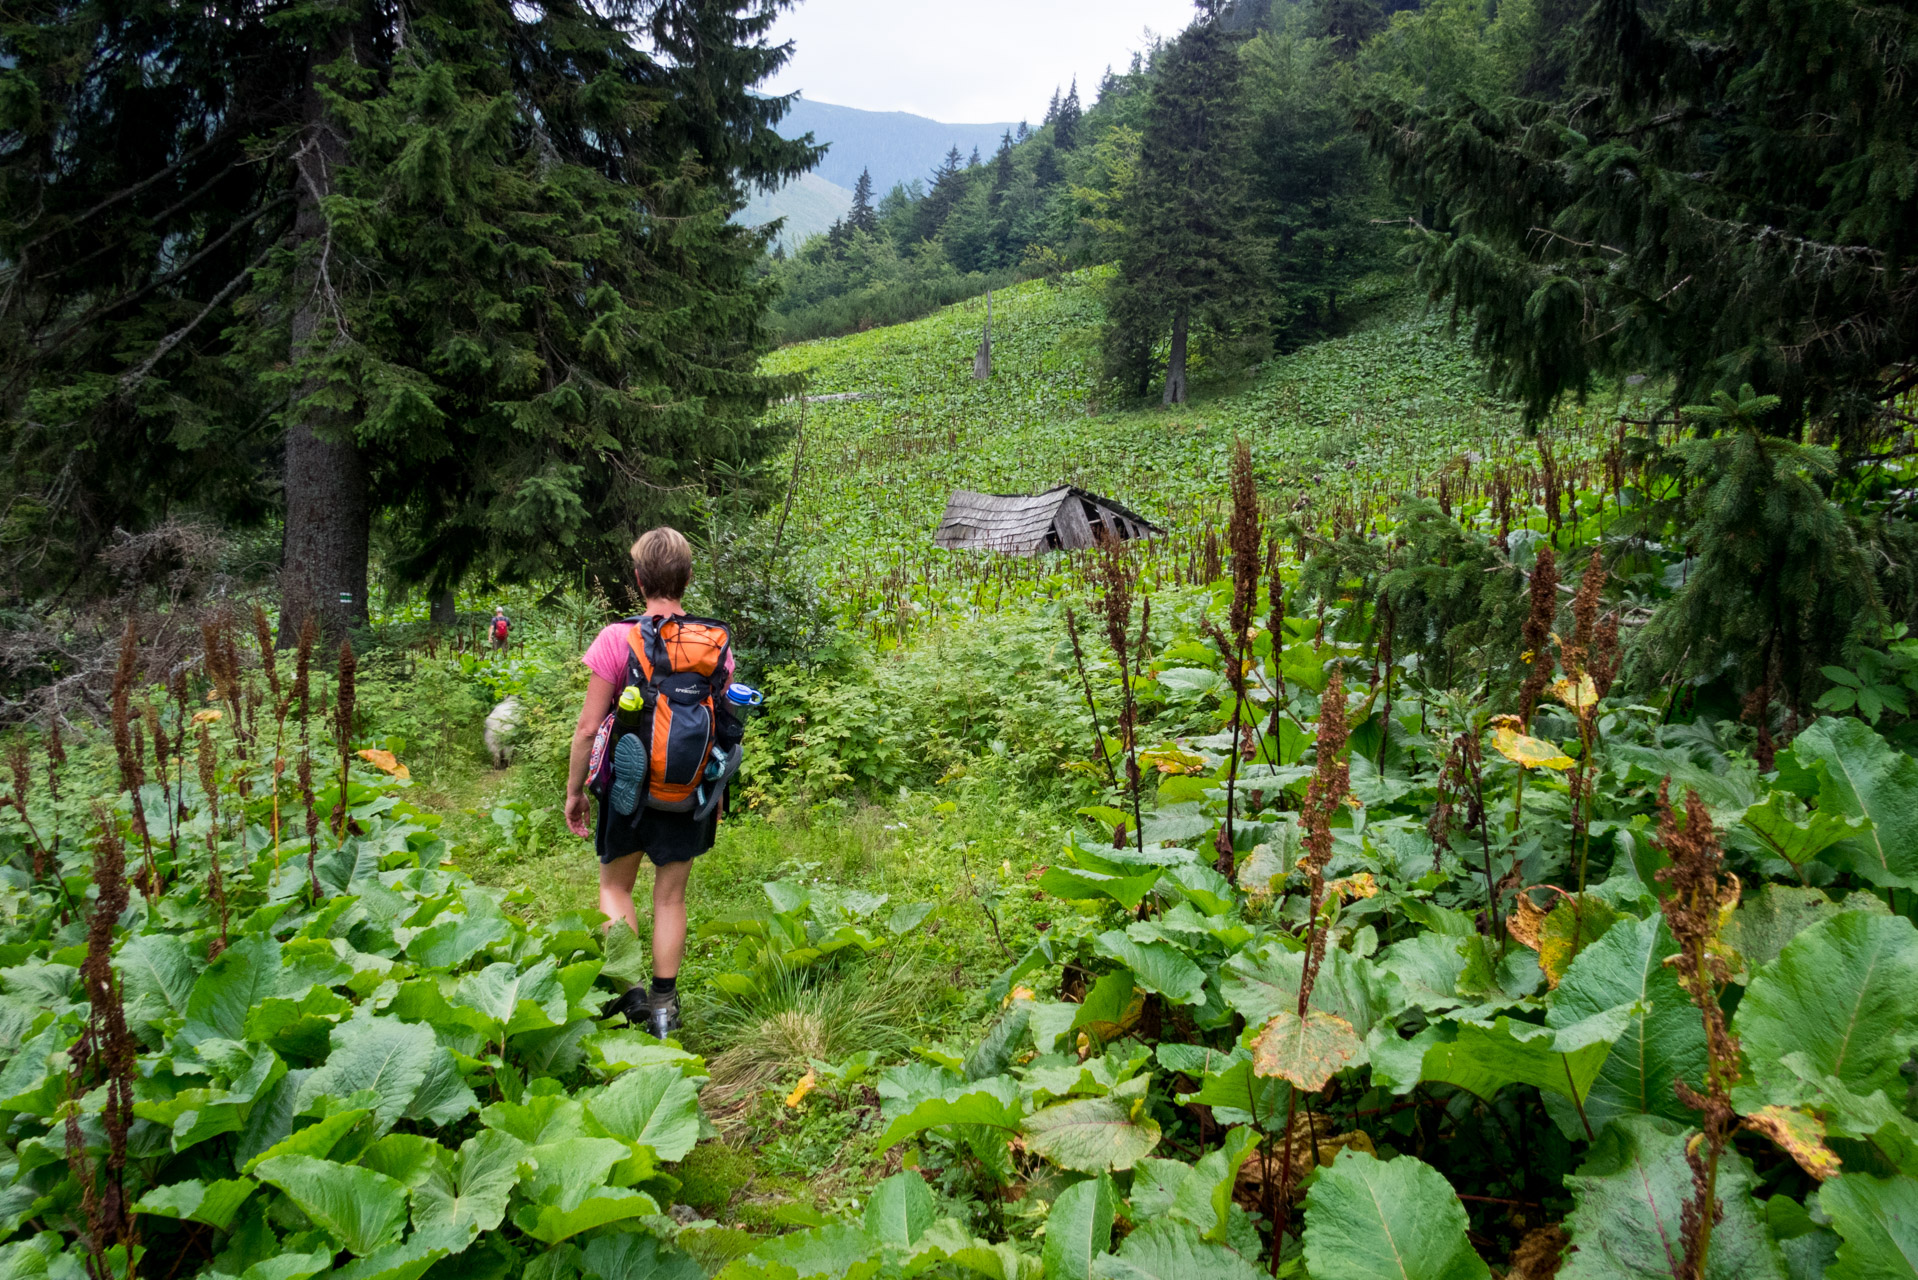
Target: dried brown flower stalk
[(1537, 633), (132, 769), (106, 1053), (210, 787), (1699, 889), (1085, 684)]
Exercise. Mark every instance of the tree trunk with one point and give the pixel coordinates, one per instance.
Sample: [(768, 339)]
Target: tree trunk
[(327, 512), (1175, 362), (441, 612), (982, 362)]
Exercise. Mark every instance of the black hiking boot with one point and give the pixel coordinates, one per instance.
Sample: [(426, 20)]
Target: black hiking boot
[(631, 1006), (661, 1014)]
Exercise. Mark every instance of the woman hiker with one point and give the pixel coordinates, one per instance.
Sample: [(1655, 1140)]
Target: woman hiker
[(630, 824)]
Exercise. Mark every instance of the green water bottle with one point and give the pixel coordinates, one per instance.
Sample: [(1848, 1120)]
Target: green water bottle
[(631, 703)]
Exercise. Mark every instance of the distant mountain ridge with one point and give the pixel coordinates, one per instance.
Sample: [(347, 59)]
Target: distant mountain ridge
[(896, 146)]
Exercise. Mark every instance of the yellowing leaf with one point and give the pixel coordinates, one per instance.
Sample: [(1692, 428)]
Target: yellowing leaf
[(207, 717), (1572, 925), (1021, 993), (1580, 697), (804, 1087), (1173, 759), (1528, 752), (1307, 1051), (384, 761), (1801, 1134), (1352, 888), (1524, 922)]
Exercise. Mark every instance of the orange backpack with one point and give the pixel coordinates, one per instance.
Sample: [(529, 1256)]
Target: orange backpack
[(679, 666)]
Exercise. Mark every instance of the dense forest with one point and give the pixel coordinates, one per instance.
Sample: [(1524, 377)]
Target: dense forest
[(1472, 832)]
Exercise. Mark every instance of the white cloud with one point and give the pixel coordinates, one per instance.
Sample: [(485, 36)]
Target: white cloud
[(964, 62)]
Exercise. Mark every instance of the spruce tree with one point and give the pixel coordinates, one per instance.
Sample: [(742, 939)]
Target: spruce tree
[(947, 181), (1052, 109), (1714, 192), (1189, 253), (862, 216), (360, 242), (1065, 125)]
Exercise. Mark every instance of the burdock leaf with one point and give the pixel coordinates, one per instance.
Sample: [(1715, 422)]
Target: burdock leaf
[(475, 1193), (1528, 752), (993, 1102), (1865, 777), (1079, 1228), (1795, 840), (361, 1209), (656, 1106), (1662, 1041), (1571, 926), (1091, 1135), (1878, 1220), (1844, 993), (1367, 1219), (1167, 1249), (900, 1210), (1156, 966), (1627, 1201), (1307, 1051), (1483, 1060), (1767, 920), (385, 1055)]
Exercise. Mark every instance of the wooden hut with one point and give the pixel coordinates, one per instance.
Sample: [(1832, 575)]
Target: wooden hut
[(1062, 519)]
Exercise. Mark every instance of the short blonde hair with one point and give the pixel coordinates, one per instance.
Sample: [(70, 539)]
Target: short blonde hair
[(663, 563)]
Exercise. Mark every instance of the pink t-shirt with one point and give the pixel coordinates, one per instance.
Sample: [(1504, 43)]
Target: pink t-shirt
[(605, 657)]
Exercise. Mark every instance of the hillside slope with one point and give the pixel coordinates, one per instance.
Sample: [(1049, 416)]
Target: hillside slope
[(809, 204), (1354, 420)]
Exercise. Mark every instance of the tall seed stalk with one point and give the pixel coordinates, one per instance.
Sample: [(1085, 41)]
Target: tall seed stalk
[(210, 788), (1699, 889), (1116, 572), (1085, 684), (1243, 539), (1331, 780), (105, 1054), (343, 729), (300, 695), (132, 771)]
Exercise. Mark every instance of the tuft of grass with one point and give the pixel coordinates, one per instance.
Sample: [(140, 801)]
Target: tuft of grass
[(801, 1016), (712, 1174)]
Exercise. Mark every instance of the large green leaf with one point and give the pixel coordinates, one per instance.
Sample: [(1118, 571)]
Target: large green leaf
[(550, 1223), (513, 1001), (361, 1209), (1368, 1219), (157, 974), (1092, 1135), (1865, 777), (1204, 1198), (1483, 1060), (1156, 966), (1627, 1199), (454, 939), (408, 1259), (831, 1253), (385, 1055), (654, 1106), (1767, 920), (224, 994), (567, 1170), (1799, 840), (474, 1192), (1079, 1228), (900, 1210), (1263, 982), (212, 1203), (1844, 993), (1166, 1249), (1878, 1221), (1077, 884), (634, 1255), (993, 1102), (1663, 1038)]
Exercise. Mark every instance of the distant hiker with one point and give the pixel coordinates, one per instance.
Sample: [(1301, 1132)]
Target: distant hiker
[(501, 626), (657, 743)]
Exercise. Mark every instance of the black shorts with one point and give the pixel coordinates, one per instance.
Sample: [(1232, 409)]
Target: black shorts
[(665, 837)]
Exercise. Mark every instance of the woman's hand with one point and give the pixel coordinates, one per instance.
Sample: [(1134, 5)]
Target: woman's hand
[(579, 815)]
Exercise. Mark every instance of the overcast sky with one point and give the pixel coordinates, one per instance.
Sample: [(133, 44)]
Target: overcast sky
[(963, 61)]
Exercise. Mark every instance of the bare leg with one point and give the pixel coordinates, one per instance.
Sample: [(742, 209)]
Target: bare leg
[(669, 917), (616, 893)]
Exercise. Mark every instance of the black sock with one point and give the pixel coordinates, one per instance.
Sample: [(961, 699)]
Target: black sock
[(665, 986)]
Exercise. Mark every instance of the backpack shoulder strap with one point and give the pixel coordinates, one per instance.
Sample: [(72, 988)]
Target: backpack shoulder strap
[(642, 639)]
